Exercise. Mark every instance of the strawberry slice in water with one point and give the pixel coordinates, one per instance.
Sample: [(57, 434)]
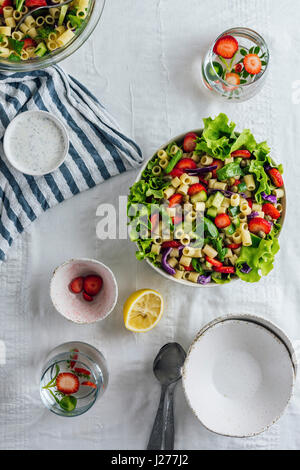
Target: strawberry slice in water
[(226, 46), (67, 383), (89, 384), (232, 78), (74, 357), (252, 64)]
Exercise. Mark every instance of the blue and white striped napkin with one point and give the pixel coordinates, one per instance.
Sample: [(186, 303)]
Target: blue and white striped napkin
[(98, 149)]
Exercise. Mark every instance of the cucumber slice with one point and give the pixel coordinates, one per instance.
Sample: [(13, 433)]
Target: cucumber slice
[(212, 212), (199, 197), (218, 199), (229, 230), (209, 201)]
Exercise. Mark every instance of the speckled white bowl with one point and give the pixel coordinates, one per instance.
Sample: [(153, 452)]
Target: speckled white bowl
[(238, 377), (73, 306), (10, 133)]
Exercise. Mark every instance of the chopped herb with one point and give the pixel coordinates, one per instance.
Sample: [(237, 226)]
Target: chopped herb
[(75, 21), (43, 33), (16, 45)]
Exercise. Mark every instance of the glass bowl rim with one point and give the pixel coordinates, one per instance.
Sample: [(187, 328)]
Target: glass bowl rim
[(61, 53)]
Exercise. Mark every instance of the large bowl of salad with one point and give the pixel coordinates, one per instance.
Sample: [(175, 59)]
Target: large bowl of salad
[(34, 36), (209, 206)]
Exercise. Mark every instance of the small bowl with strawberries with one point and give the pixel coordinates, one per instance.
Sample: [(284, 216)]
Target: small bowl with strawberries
[(84, 290)]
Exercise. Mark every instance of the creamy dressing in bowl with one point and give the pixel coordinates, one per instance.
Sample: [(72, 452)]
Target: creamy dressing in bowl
[(36, 143)]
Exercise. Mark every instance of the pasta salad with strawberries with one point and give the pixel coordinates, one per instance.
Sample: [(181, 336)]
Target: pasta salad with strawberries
[(29, 29), (209, 209)]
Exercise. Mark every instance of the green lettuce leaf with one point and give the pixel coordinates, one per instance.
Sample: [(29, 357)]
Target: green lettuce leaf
[(260, 259), (217, 137), (245, 141), (231, 170)]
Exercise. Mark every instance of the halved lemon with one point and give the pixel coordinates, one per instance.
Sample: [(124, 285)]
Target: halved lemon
[(143, 310)]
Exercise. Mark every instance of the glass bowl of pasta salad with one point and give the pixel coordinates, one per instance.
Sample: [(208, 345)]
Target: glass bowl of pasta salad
[(208, 207), (34, 36)]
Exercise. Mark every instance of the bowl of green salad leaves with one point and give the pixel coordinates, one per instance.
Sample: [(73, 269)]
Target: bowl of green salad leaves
[(209, 206)]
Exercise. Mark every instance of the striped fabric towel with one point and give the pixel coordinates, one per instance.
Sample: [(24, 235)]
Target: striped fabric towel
[(98, 149)]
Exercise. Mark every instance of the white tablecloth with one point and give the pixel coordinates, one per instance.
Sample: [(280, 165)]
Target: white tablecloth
[(143, 63)]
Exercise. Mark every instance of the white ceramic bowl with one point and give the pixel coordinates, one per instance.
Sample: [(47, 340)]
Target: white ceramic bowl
[(238, 377), (10, 135), (73, 306), (179, 140)]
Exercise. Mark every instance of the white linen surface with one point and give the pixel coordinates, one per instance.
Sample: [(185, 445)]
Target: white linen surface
[(143, 63)]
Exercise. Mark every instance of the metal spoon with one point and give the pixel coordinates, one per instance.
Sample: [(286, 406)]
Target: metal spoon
[(57, 5), (167, 369)]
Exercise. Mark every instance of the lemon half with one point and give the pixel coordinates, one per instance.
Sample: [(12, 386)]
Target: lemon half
[(143, 310)]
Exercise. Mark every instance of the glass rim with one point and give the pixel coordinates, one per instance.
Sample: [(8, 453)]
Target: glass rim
[(249, 31), (94, 16)]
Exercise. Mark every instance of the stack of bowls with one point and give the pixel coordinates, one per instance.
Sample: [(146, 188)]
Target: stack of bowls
[(239, 375)]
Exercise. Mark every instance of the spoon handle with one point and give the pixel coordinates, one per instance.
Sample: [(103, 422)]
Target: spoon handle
[(169, 428), (157, 434)]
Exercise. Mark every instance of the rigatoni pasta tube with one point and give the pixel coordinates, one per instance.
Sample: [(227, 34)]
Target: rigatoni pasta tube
[(210, 251)]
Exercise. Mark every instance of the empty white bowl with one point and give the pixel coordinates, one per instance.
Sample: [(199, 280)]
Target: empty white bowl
[(73, 306), (238, 378)]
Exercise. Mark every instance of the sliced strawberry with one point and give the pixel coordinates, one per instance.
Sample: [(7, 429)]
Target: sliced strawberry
[(232, 78), (219, 164), (241, 154), (176, 172), (203, 180), (252, 64), (154, 219), (250, 203), (271, 210), (76, 285), (222, 221), (226, 47), (186, 164), (89, 384), (234, 246), (189, 143), (35, 3), (196, 188), (188, 268), (171, 244), (225, 270), (67, 383), (175, 199), (238, 68), (87, 297), (213, 262), (177, 219), (92, 284), (82, 371), (276, 177), (258, 224), (28, 42), (74, 356)]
